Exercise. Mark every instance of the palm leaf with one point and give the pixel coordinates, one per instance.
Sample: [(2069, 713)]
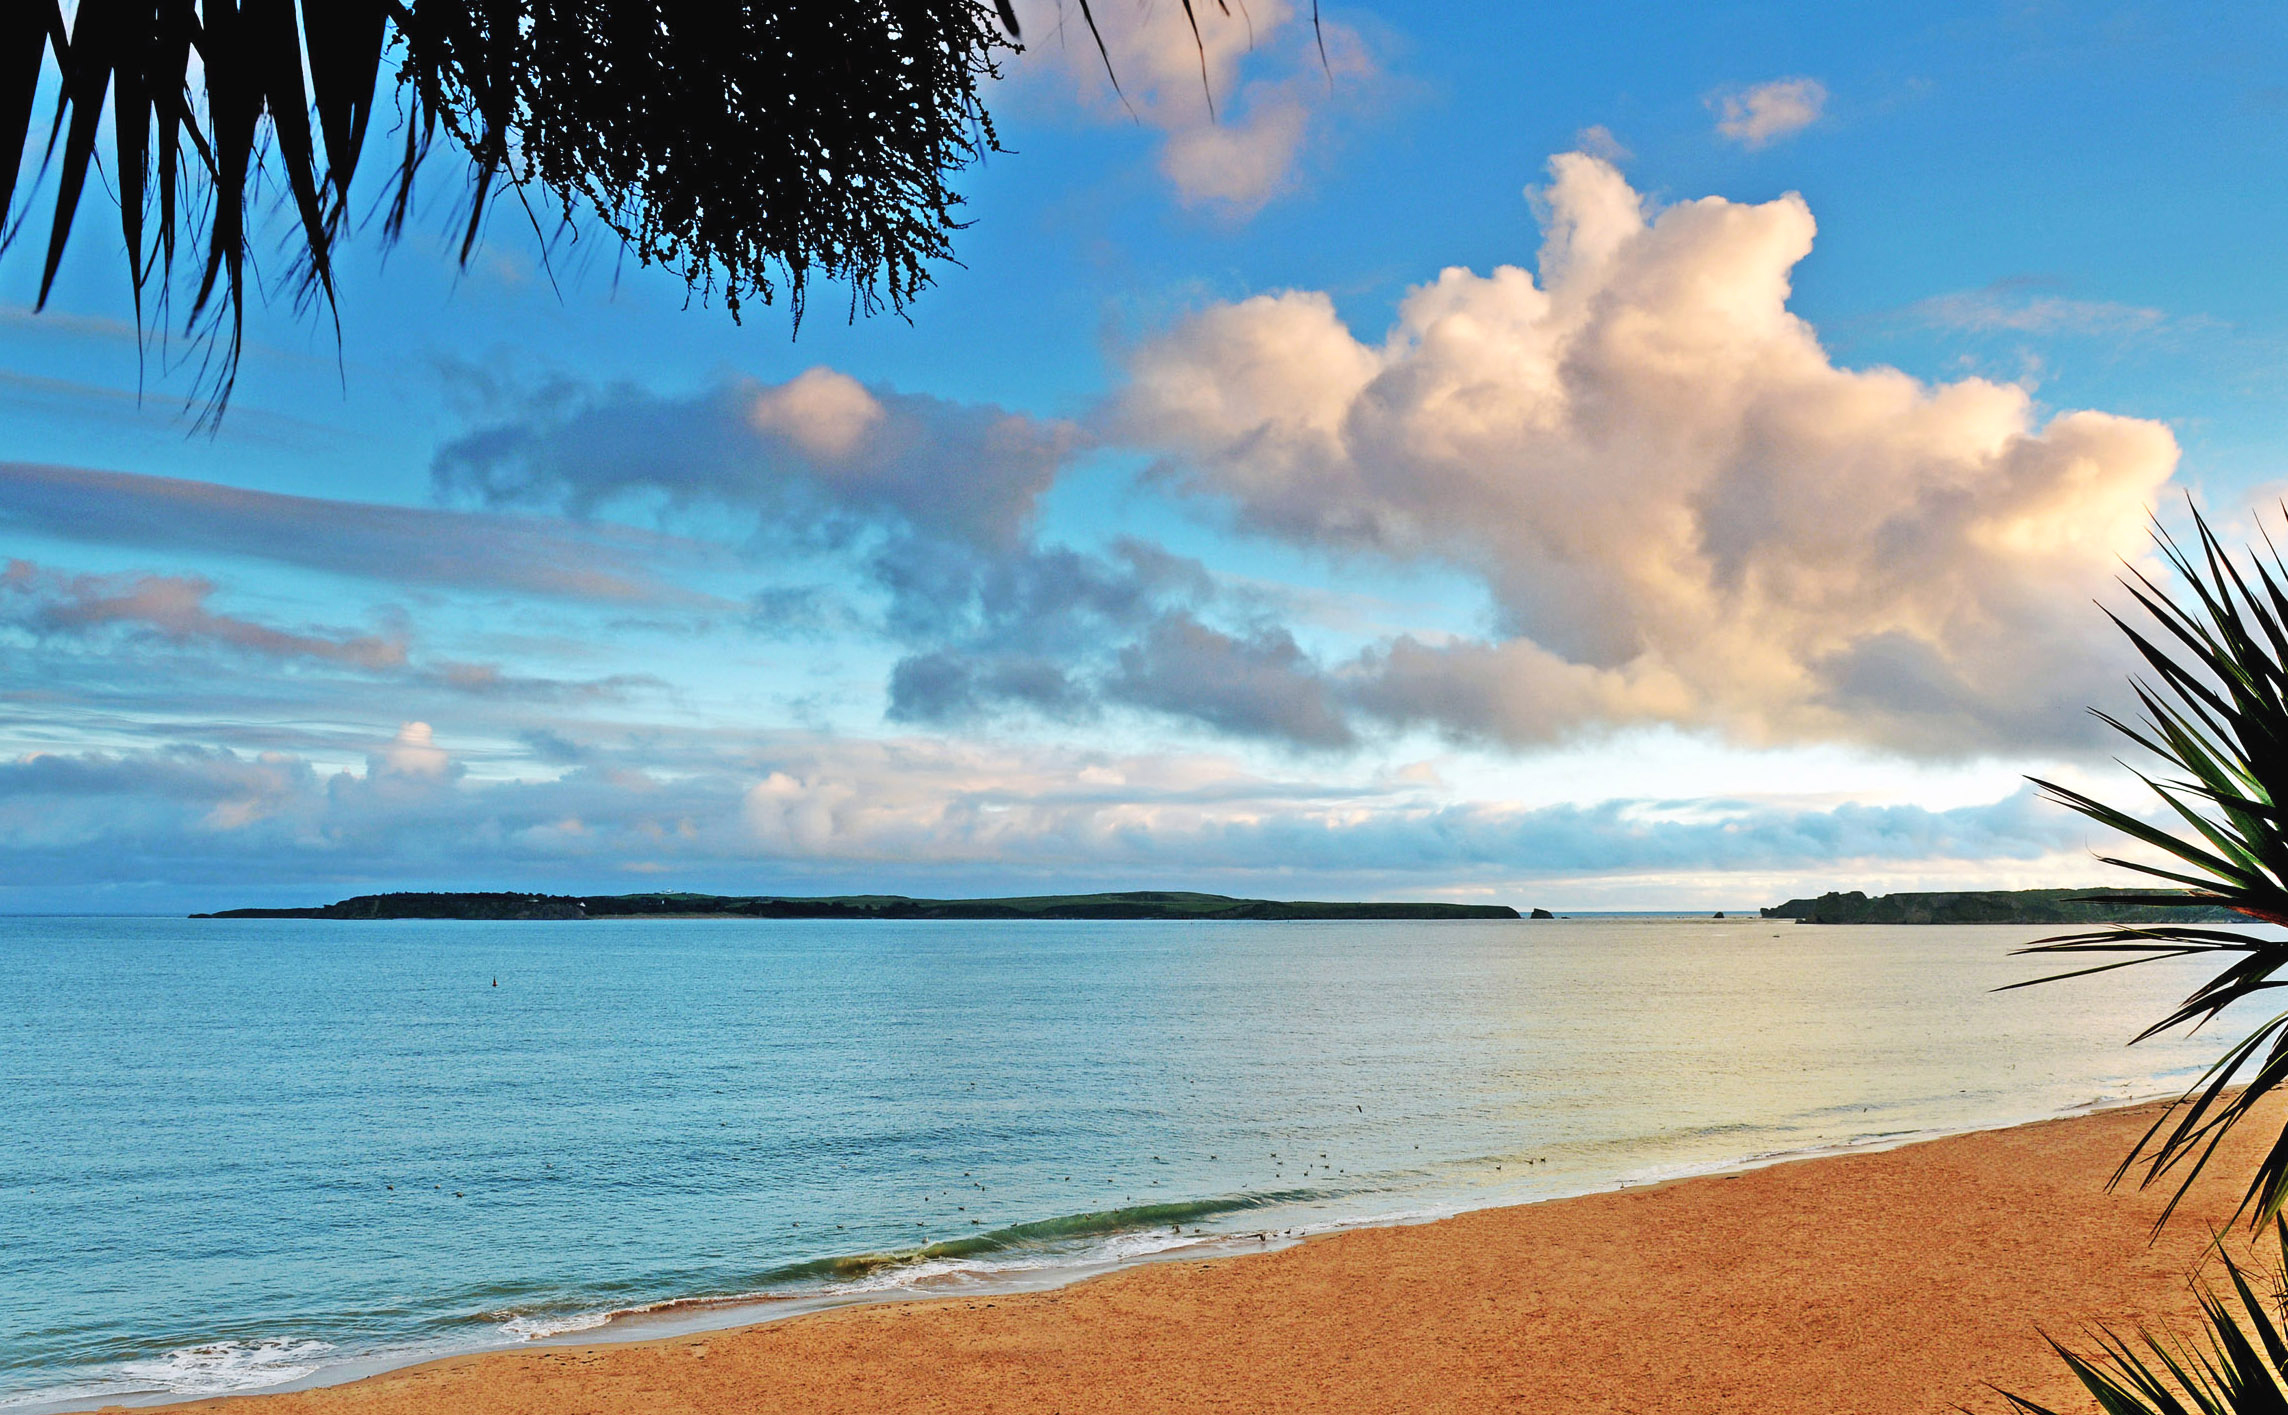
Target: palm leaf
[(2216, 713), (2241, 1368), (750, 146), (28, 30)]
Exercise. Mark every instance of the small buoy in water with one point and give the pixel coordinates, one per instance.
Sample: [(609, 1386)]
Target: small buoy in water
[(496, 982)]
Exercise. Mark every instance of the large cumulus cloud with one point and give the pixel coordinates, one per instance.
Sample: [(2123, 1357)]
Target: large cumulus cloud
[(1685, 510)]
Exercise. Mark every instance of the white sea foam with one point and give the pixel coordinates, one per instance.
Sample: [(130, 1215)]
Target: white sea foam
[(1107, 1250), (222, 1367), (537, 1327)]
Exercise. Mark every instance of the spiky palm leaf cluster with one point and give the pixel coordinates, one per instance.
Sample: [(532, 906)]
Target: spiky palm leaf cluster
[(2217, 714), (748, 145), (2240, 1369)]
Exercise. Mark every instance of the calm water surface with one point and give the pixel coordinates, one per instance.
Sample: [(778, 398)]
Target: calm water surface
[(239, 1153)]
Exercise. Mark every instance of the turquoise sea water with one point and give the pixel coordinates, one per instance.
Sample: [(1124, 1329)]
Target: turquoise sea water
[(240, 1153)]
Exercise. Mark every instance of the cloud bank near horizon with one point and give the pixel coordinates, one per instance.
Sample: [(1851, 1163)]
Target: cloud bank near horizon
[(797, 812)]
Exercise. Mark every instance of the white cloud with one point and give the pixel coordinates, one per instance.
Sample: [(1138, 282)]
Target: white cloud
[(820, 457), (174, 609), (1999, 310), (1598, 141), (1685, 511), (413, 752), (825, 413), (1770, 111), (404, 545), (1240, 164), (808, 814), (156, 640), (1229, 142)]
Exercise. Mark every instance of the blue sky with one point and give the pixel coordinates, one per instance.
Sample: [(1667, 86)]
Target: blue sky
[(1723, 526)]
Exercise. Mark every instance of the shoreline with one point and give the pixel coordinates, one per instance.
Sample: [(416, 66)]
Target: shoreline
[(742, 1322), (674, 1317)]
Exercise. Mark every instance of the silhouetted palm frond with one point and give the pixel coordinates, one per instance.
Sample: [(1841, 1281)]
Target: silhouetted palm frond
[(2219, 716), (2241, 1369), (748, 146)]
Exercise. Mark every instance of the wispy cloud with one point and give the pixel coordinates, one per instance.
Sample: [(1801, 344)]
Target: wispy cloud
[(1235, 103), (156, 647), (935, 504), (820, 458), (2006, 308), (1598, 141), (174, 608), (400, 545), (1755, 117)]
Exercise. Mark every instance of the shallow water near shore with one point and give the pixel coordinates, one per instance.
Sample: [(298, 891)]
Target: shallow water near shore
[(236, 1154)]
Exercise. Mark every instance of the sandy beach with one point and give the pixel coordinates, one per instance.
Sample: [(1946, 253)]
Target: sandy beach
[(1898, 1281)]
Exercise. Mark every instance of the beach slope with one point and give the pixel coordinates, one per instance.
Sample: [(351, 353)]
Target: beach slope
[(1889, 1282)]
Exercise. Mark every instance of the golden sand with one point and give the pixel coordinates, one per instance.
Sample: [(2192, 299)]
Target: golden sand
[(1901, 1281)]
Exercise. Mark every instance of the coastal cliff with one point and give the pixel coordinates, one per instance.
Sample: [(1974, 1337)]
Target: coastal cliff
[(1994, 906)]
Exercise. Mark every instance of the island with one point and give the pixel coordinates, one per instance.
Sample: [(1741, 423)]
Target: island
[(1999, 906), (1146, 904)]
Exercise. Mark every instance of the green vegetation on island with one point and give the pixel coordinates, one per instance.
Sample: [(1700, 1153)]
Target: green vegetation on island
[(1995, 906), (1146, 904)]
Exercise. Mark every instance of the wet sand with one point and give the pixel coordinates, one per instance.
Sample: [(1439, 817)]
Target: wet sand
[(1901, 1281)]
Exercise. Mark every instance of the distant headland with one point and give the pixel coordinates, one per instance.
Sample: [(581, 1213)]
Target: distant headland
[(1994, 906), (1148, 904)]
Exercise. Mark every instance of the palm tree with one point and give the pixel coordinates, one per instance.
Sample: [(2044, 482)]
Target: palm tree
[(2216, 715), (2236, 1371), (749, 146)]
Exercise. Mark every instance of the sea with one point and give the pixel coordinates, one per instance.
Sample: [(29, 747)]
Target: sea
[(239, 1155)]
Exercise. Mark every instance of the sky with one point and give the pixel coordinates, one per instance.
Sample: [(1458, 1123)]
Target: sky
[(1652, 456)]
